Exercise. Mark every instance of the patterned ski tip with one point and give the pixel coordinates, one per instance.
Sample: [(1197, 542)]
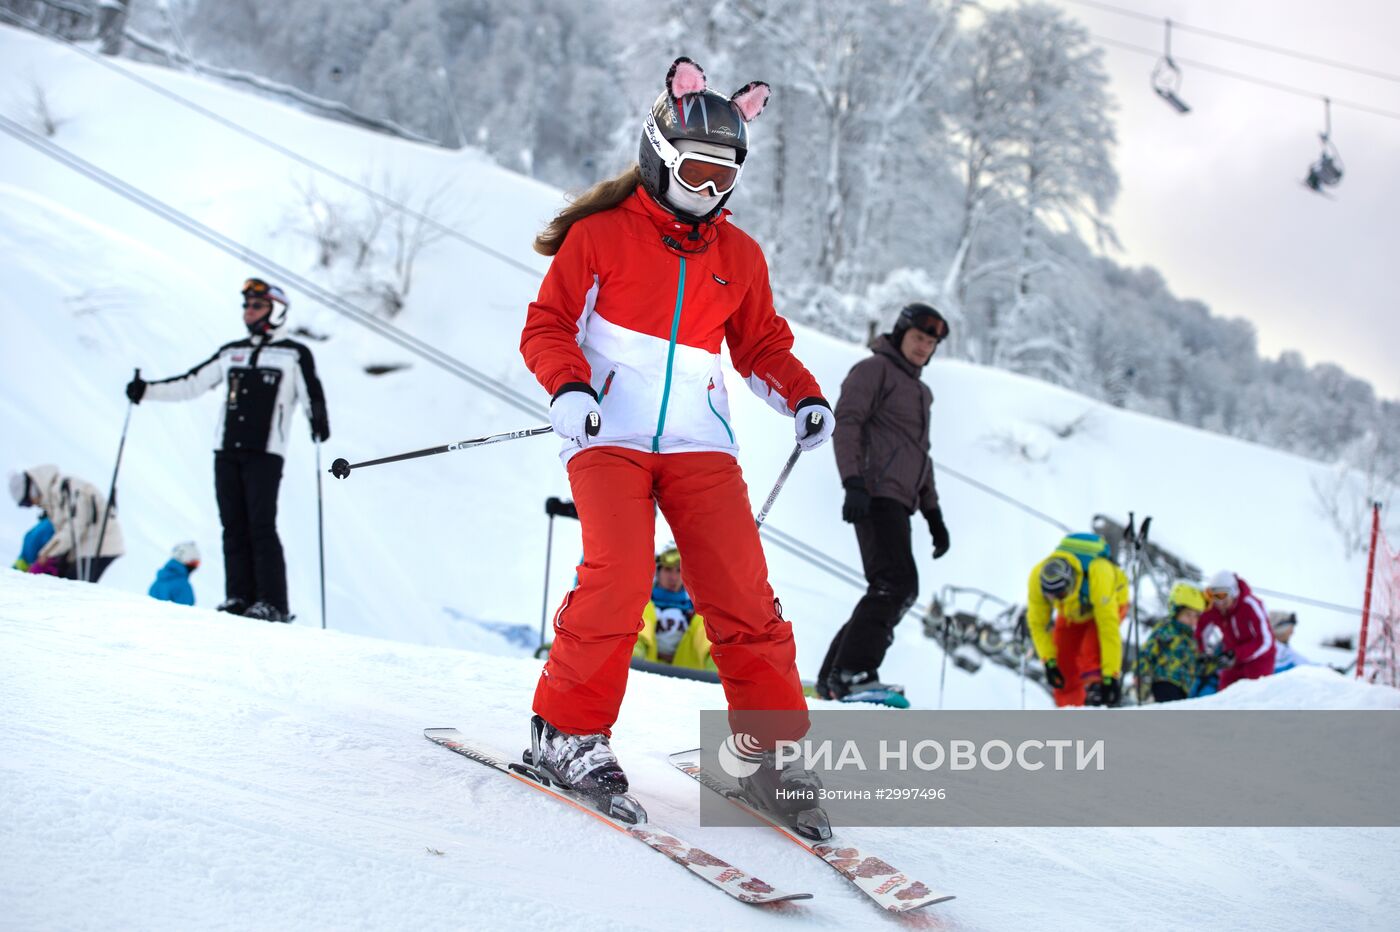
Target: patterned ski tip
[(890, 888), (715, 871)]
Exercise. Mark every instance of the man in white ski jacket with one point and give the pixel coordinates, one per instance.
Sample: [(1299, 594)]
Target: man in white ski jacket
[(263, 377)]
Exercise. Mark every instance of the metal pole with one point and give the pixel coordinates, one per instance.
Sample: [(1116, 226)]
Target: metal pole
[(112, 491), (943, 673), (544, 604), (1370, 576), (1022, 628), (778, 486), (321, 534)]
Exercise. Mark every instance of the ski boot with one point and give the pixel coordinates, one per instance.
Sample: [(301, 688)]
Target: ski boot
[(266, 611), (796, 804), (233, 606), (583, 764)]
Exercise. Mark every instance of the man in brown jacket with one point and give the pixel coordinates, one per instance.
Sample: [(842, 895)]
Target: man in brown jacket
[(881, 441)]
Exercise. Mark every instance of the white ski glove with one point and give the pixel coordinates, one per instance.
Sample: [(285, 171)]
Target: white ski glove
[(810, 435), (574, 413)]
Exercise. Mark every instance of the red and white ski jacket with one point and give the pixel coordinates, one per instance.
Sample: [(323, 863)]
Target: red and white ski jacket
[(1245, 629), (642, 322)]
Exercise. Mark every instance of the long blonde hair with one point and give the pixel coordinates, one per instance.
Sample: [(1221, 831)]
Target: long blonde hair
[(605, 195)]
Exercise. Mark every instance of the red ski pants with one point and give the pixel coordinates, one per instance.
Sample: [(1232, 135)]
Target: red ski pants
[(706, 503), (1077, 652), (1249, 670)]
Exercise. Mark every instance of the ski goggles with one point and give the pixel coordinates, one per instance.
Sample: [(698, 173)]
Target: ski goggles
[(696, 171), (930, 324), (1218, 595), (669, 559), (257, 288)]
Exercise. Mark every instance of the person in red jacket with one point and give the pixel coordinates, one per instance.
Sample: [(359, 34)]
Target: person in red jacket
[(1247, 638), (648, 279)]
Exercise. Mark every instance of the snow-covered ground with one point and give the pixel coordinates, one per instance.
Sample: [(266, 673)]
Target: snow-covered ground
[(169, 767)]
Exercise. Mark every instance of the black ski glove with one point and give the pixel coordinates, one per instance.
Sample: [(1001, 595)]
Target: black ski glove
[(1110, 691), (857, 504), (939, 530), (136, 390), (320, 426), (1227, 660), (1053, 676)]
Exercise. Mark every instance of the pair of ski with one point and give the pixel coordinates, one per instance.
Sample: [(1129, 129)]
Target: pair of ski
[(887, 887)]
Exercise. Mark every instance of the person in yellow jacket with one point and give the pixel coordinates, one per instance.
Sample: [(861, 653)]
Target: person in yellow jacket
[(672, 632), (1074, 621)]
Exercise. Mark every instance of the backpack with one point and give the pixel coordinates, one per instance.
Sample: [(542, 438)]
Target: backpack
[(1085, 548)]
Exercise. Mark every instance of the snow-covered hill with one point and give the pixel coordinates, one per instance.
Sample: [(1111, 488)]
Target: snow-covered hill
[(170, 768)]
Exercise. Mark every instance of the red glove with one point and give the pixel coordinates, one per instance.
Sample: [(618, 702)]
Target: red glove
[(45, 567)]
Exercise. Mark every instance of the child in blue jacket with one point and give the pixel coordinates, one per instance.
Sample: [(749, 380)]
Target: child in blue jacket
[(173, 579)]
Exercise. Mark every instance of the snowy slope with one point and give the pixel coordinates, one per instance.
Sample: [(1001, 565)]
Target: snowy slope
[(449, 550), (169, 768)]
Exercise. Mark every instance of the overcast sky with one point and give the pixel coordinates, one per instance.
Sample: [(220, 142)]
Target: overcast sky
[(1213, 199)]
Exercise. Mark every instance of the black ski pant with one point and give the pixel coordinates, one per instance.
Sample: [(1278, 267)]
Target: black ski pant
[(246, 486), (96, 566), (892, 584), (1167, 692)]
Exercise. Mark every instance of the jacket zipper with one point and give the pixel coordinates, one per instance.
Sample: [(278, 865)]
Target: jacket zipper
[(670, 360), (710, 398)]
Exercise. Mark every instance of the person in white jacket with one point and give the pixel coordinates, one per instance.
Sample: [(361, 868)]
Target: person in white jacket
[(263, 377), (76, 509)]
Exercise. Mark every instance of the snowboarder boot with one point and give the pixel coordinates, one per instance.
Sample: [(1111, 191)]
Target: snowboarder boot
[(847, 683), (584, 764), (791, 793), (266, 611), (233, 606)]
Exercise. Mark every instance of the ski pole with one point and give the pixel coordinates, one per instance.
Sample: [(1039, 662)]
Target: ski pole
[(548, 553), (814, 422), (943, 673), (341, 467), (112, 492), (1138, 543), (1022, 629), (321, 534)]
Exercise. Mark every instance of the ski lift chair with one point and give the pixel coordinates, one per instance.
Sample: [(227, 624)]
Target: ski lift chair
[(1327, 170), (1166, 77)]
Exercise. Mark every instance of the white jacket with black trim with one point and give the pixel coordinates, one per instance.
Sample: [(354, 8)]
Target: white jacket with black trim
[(263, 378)]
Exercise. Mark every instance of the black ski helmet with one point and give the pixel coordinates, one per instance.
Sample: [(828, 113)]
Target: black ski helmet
[(921, 317), (687, 109)]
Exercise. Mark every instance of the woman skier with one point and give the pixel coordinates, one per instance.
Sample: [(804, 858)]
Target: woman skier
[(648, 279)]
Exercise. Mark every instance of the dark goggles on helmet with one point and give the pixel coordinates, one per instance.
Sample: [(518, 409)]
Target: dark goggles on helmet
[(256, 286), (668, 559), (697, 171), (931, 324)]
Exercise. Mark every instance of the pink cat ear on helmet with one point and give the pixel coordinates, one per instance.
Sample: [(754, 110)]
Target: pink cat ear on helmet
[(751, 99), (685, 77)]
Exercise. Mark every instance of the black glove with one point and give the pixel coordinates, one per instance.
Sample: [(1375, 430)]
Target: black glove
[(1107, 693), (939, 530), (1053, 676), (857, 504), (1227, 660), (136, 390), (320, 426), (561, 508)]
